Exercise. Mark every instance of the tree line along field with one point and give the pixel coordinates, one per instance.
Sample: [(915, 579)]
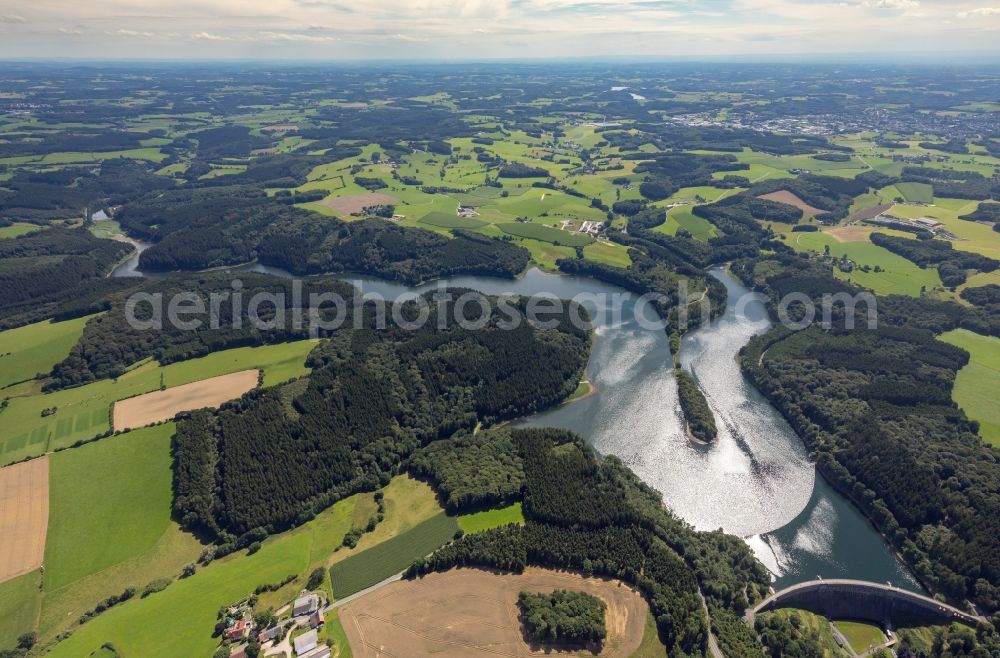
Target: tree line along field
[(84, 412), (977, 386)]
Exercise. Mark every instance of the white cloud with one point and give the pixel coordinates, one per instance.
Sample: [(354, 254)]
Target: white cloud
[(268, 35), (13, 18), (70, 30), (892, 4), (132, 33), (208, 36), (982, 11)]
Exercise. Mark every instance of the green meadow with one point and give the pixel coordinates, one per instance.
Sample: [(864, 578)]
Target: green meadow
[(860, 636), (20, 601), (681, 217), (33, 349), (542, 233), (898, 276), (17, 229), (82, 413), (977, 386), (108, 501), (494, 518), (446, 220), (916, 192), (179, 620), (391, 556)]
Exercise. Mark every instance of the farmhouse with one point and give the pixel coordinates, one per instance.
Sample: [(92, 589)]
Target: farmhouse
[(591, 228), (306, 642), (305, 605), (928, 223), (269, 634), (467, 211), (318, 652), (316, 619), (240, 629)]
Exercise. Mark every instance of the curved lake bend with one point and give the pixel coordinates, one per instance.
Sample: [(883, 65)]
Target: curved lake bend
[(754, 481)]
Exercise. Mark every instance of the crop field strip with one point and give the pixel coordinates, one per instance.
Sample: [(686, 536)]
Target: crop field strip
[(24, 516), (163, 405)]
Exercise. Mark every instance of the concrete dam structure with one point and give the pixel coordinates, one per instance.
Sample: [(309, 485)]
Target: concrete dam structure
[(890, 607)]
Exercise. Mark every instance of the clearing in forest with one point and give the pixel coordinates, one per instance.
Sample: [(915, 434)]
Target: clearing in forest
[(472, 612), (154, 407), (24, 516)]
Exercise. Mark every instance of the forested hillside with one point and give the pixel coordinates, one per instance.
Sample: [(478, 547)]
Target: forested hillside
[(593, 515), (41, 270), (875, 407), (270, 460)]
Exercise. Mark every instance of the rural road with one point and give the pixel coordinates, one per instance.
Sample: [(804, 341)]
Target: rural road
[(368, 590)]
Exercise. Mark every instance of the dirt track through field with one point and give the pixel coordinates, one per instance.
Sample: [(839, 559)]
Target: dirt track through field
[(24, 516), (163, 405), (472, 612), (792, 199), (354, 203)]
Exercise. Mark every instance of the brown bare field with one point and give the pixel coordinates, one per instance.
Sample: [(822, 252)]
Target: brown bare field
[(850, 233), (792, 199), (24, 516), (472, 612), (357, 202), (153, 407), (869, 213)]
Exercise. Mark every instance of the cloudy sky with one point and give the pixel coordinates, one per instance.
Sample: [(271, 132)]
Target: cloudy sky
[(484, 29)]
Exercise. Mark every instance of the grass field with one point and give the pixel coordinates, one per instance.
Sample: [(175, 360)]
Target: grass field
[(916, 192), (392, 556), (19, 604), (494, 518), (651, 646), (977, 386), (17, 229), (546, 254), (109, 500), (444, 220), (860, 635), (542, 233), (682, 218), (608, 253), (35, 348), (179, 620), (899, 276), (82, 413)]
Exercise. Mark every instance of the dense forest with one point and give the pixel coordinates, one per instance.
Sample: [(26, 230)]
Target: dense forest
[(42, 270), (563, 617), (697, 413), (271, 459), (874, 406)]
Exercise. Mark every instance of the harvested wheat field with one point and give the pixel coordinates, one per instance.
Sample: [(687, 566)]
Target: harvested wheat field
[(153, 407), (851, 233), (472, 612), (24, 516), (792, 199), (355, 203)]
